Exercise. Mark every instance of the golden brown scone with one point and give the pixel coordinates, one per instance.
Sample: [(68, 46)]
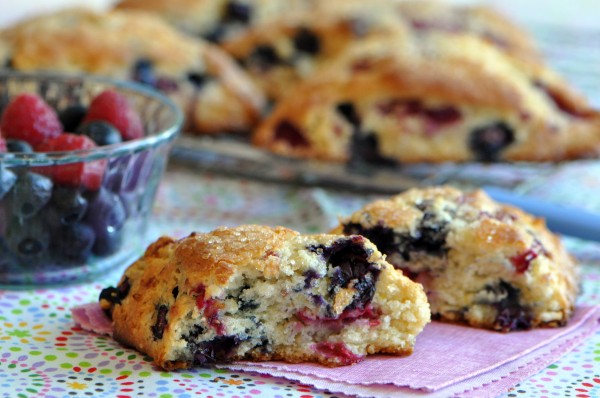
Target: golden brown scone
[(219, 20), (290, 49), (480, 262), (478, 20), (262, 293), (213, 91), (431, 97)]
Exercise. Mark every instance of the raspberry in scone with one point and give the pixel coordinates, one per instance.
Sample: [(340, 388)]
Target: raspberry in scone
[(482, 263), (214, 93), (262, 293), (431, 98)]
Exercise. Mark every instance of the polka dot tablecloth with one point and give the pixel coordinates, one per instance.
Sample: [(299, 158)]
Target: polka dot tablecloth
[(43, 354)]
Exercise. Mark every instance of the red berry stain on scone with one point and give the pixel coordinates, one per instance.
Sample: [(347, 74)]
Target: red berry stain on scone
[(339, 352), (211, 310)]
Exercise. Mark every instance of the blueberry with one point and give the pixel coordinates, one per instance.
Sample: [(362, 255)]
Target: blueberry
[(215, 35), (31, 192), (510, 314), (29, 239), (347, 110), (288, 132), (264, 57), (364, 148), (115, 295), (7, 180), (143, 72), (71, 117), (74, 242), (106, 215), (69, 203), (138, 171), (237, 12), (107, 242), (102, 133), (219, 349), (306, 41), (159, 326), (489, 141), (16, 146), (8, 262), (348, 260), (198, 79), (105, 211)]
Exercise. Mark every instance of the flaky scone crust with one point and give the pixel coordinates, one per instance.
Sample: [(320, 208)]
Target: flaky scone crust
[(212, 260), (482, 237), (110, 43), (551, 122)]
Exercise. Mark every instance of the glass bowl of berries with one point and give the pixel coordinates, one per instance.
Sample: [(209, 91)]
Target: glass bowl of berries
[(81, 158)]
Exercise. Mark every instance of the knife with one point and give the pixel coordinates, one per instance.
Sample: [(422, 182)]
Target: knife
[(563, 220)]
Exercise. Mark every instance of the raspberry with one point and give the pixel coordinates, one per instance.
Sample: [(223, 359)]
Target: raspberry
[(27, 117), (114, 108), (87, 174)]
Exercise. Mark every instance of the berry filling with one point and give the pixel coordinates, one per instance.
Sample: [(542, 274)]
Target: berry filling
[(288, 132), (237, 12), (349, 315), (522, 261), (338, 351), (159, 326), (211, 310), (220, 349), (488, 142), (307, 42), (435, 118), (510, 314)]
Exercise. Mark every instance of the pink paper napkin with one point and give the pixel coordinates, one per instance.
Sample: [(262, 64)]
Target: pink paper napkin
[(449, 360)]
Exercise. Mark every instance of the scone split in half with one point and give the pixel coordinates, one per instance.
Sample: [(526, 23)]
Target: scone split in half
[(481, 263), (262, 293)]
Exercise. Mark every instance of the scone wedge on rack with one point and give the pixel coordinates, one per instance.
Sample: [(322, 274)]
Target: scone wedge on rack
[(215, 94), (481, 263), (433, 97), (262, 293)]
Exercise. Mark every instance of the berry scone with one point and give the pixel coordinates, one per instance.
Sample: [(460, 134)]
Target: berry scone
[(482, 263), (431, 97), (219, 20), (289, 50), (479, 20), (262, 293), (216, 95)]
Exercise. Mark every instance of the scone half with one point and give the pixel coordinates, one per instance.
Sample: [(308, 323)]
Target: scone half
[(481, 263), (262, 293)]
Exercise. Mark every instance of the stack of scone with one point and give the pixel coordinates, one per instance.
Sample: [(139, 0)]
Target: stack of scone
[(394, 81)]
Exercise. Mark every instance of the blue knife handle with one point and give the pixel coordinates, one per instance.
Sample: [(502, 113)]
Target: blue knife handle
[(569, 221)]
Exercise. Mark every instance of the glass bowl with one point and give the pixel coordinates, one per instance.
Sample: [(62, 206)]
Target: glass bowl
[(72, 233)]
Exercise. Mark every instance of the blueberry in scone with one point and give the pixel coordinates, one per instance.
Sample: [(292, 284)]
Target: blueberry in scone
[(262, 293), (215, 94), (289, 49), (482, 263), (219, 20), (432, 97)]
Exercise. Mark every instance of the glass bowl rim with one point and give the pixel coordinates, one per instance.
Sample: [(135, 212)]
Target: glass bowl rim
[(101, 152)]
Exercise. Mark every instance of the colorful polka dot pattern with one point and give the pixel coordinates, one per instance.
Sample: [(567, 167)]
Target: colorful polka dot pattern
[(42, 354)]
